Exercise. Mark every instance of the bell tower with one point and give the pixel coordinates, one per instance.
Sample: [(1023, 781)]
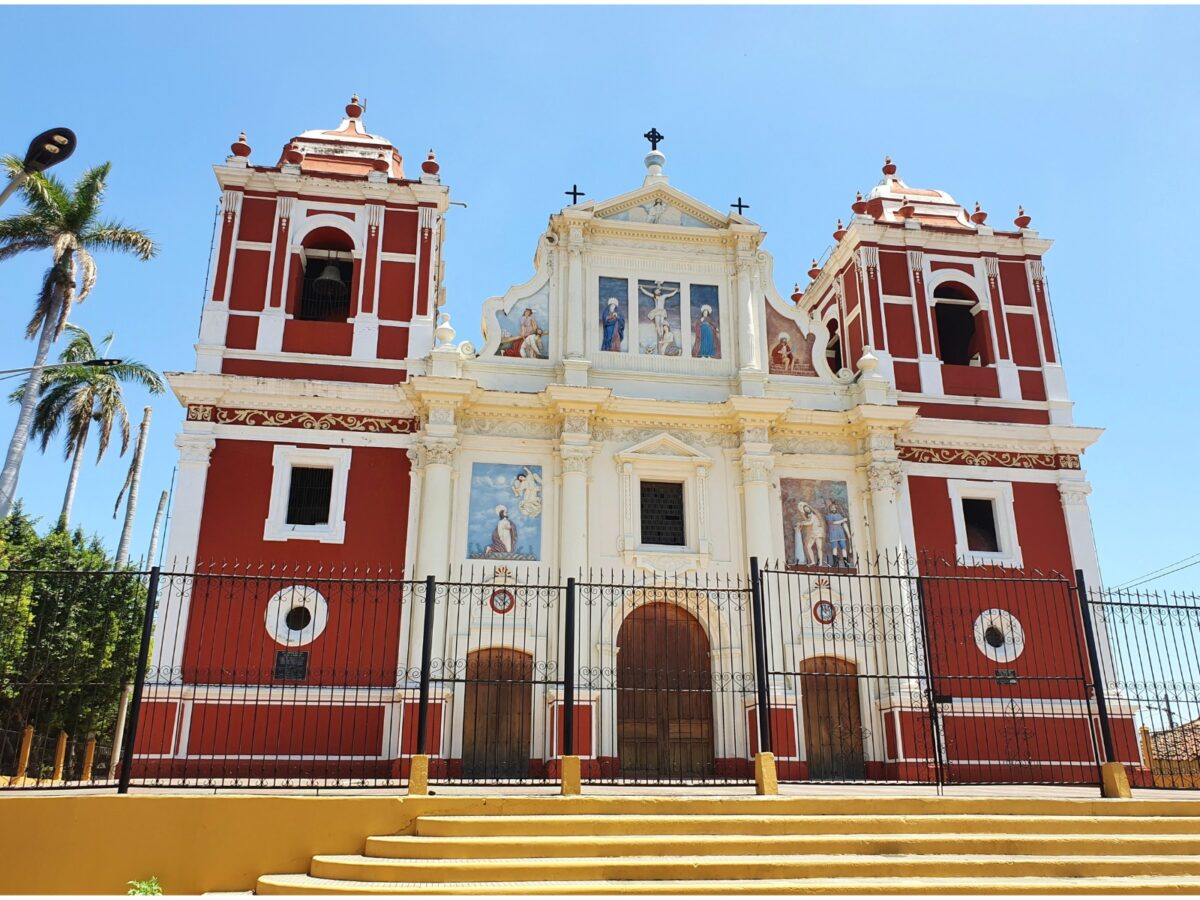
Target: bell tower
[(328, 263)]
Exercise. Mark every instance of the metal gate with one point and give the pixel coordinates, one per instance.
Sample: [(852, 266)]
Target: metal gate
[(925, 674)]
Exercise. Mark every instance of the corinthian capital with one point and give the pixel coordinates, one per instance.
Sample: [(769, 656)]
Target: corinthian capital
[(575, 459), (195, 448), (756, 467), (1074, 493), (885, 476)]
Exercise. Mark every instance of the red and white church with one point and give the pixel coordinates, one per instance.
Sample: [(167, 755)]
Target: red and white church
[(646, 402)]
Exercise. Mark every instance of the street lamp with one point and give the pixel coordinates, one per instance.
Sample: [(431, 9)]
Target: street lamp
[(47, 149), (86, 363)]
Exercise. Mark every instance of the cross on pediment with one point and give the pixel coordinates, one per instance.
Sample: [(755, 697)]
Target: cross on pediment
[(654, 137), (575, 193), (740, 206)]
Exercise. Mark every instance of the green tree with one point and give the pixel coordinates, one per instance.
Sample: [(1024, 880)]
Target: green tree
[(66, 222), (77, 628), (72, 397)]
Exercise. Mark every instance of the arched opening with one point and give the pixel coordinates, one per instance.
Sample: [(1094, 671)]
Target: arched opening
[(664, 694), (833, 349), (958, 340), (833, 729), (498, 714), (327, 277)]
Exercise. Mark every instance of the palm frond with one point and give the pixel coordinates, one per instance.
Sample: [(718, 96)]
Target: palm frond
[(10, 249), (85, 203), (115, 236), (43, 193), (87, 269)]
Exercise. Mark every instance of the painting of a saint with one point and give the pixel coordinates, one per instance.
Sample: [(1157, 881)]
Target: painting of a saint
[(505, 512), (706, 322), (816, 524), (525, 332), (789, 350), (659, 318), (614, 301)]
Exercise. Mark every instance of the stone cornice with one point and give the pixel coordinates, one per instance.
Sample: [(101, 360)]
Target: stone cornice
[(286, 394)]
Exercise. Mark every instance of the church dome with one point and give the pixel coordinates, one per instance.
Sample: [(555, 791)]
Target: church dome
[(894, 201), (348, 150)]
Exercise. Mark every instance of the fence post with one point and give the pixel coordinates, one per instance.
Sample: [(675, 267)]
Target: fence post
[(89, 757), (23, 756), (570, 775), (569, 671), (931, 698), (60, 757), (1113, 779), (426, 666), (139, 683), (760, 657)]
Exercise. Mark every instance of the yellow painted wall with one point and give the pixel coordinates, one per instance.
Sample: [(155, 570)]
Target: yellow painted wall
[(94, 845)]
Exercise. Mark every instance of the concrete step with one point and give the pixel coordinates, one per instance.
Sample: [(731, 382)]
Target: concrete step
[(725, 867), (741, 824), (308, 885), (608, 846)]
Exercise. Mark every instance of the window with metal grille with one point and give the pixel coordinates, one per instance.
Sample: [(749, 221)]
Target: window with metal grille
[(308, 496), (662, 513)]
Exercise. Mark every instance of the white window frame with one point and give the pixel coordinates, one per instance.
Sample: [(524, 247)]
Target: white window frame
[(1001, 495), (666, 459), (284, 458)]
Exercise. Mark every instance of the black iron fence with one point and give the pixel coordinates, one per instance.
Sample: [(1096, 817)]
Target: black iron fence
[(897, 671)]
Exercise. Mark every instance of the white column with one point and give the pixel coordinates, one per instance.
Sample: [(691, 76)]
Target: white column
[(574, 305), (1073, 491), (756, 501), (884, 476), (437, 500), (195, 452), (573, 511), (747, 357)]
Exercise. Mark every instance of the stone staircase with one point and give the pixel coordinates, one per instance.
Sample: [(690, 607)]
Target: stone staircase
[(772, 845)]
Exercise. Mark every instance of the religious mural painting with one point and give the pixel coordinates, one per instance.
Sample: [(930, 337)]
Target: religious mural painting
[(789, 349), (706, 321), (525, 329), (505, 513), (614, 304), (659, 318), (816, 522)]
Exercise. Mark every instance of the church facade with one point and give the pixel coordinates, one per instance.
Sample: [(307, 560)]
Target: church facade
[(647, 404)]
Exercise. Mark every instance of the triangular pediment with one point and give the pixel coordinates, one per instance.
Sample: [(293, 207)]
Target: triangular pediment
[(663, 446), (659, 205)]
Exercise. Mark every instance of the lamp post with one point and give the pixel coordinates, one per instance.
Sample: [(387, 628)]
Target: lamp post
[(47, 149)]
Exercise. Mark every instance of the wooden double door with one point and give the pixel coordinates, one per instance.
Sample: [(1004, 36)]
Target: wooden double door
[(498, 714), (664, 695), (833, 730)]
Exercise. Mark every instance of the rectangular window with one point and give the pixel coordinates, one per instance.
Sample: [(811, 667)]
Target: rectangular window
[(979, 519), (309, 495), (662, 513)]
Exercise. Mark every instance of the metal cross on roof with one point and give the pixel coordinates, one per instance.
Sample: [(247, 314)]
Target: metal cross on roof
[(740, 206), (654, 138), (574, 193)]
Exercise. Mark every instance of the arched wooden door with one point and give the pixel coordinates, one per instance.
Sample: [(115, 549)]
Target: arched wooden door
[(498, 714), (833, 732), (664, 694)]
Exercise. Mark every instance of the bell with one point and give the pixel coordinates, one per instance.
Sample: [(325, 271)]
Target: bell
[(331, 273)]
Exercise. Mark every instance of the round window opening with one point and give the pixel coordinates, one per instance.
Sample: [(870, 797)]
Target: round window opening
[(296, 616), (999, 635)]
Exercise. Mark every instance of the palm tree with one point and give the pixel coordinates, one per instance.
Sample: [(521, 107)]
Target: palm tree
[(67, 223), (73, 397)]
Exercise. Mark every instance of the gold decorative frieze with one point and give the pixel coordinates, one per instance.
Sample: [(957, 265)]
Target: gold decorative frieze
[(225, 415), (1007, 459)]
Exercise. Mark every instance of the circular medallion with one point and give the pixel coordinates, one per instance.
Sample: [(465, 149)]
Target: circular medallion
[(502, 601), (824, 612)]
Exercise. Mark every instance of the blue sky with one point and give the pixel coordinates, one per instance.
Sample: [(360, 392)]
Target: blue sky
[(1086, 115)]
